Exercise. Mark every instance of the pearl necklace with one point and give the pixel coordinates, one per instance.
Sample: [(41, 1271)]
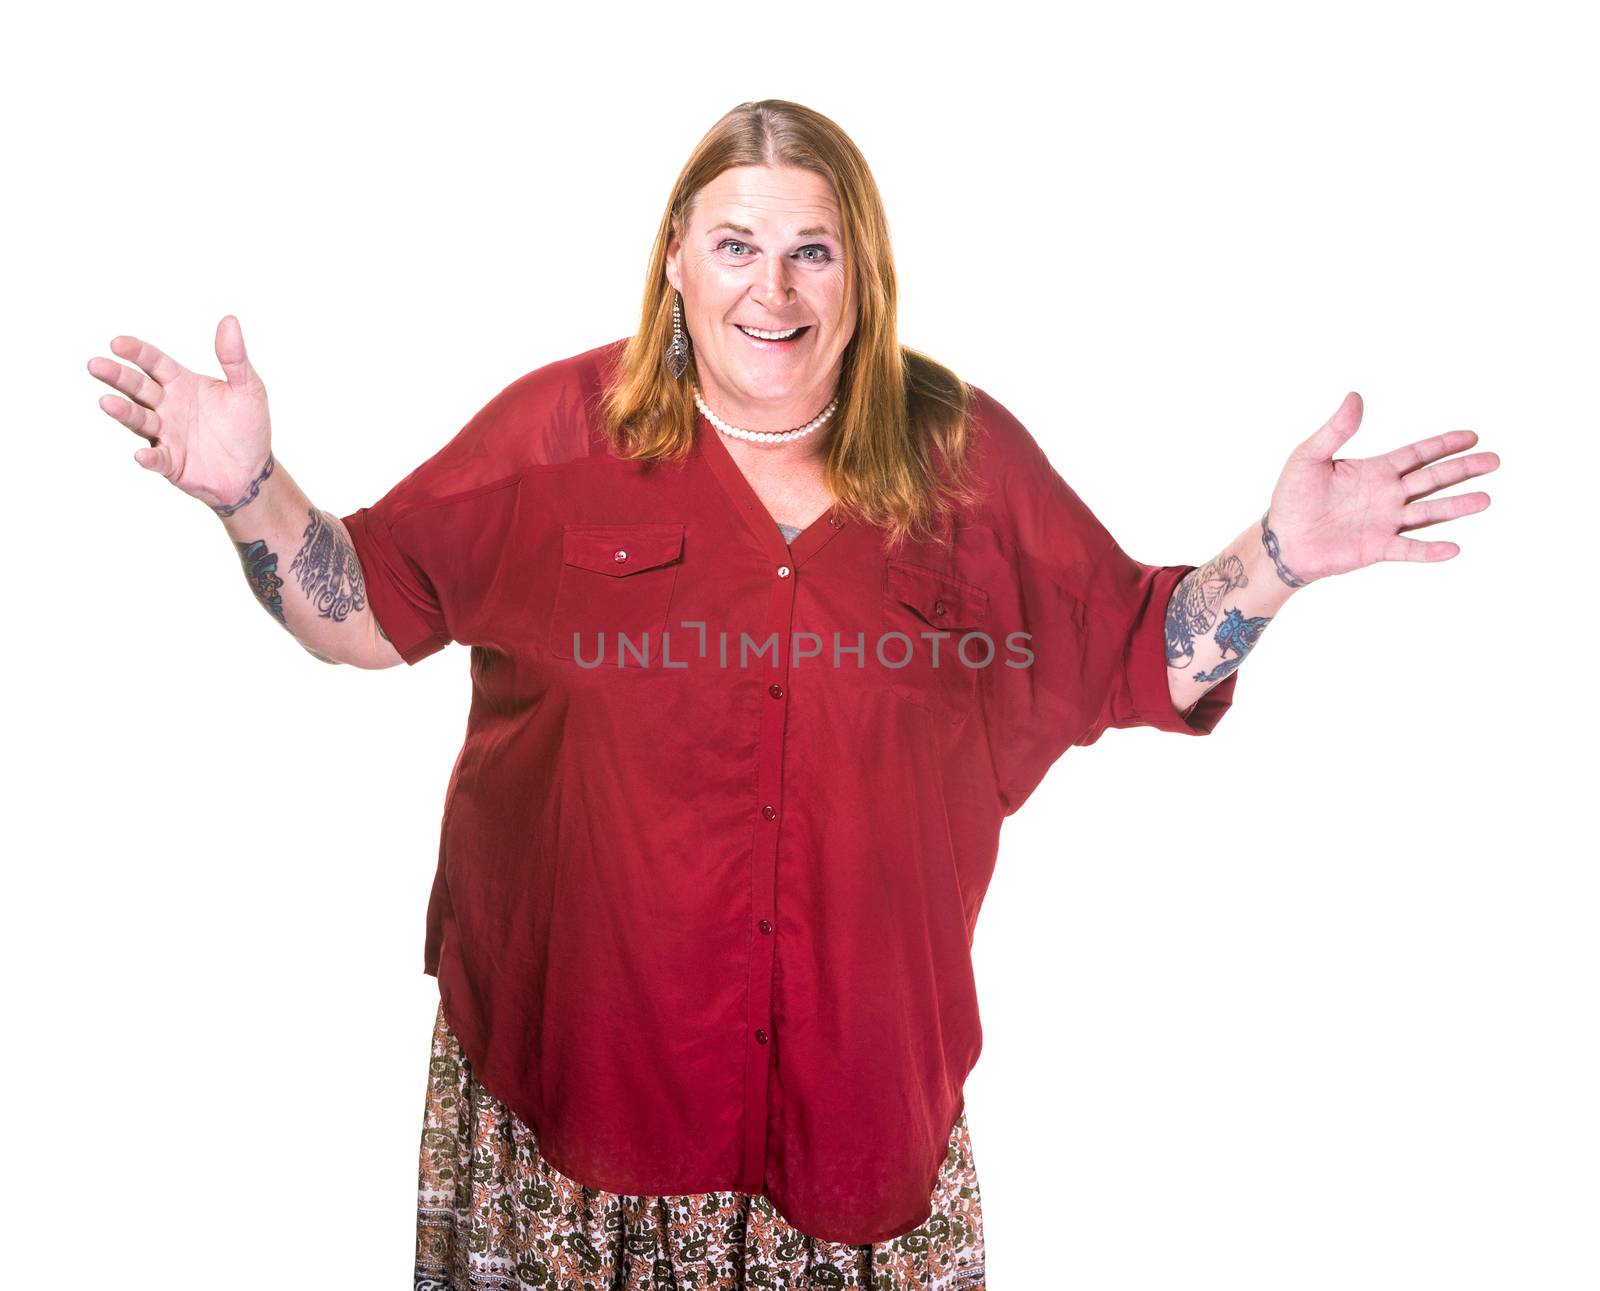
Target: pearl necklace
[(765, 436)]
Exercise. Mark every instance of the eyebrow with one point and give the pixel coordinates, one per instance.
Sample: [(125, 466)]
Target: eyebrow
[(750, 233)]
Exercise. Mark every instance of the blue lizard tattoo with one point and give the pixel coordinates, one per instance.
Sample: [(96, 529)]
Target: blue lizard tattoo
[(1236, 633)]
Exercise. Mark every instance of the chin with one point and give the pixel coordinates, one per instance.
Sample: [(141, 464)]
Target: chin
[(751, 387), (764, 391)]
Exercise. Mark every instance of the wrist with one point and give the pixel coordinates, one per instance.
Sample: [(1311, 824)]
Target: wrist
[(248, 493), (1272, 556)]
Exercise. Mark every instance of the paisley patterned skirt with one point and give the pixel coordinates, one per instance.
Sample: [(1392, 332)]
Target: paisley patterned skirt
[(492, 1215)]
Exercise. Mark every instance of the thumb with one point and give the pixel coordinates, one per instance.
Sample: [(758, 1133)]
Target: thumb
[(1333, 433), (230, 353), (154, 457)]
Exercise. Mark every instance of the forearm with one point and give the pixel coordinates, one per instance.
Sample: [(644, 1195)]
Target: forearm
[(1219, 610), (302, 568)]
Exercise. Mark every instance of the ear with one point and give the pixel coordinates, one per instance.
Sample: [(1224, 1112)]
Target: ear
[(674, 249)]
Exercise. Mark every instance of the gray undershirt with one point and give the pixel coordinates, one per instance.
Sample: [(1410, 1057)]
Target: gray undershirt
[(790, 531)]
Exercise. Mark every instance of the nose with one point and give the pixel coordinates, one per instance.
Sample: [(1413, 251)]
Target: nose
[(773, 289)]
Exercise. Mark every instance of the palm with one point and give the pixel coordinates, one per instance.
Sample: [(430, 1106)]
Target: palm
[(1331, 516), (210, 438)]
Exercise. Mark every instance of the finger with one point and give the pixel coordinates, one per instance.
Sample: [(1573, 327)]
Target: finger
[(165, 370), (1346, 420), (1408, 457), (230, 353), (1442, 475), (1413, 549), (155, 458), (135, 417), (121, 377), (1419, 515)]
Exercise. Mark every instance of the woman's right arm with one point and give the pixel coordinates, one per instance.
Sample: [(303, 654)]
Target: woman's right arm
[(213, 440)]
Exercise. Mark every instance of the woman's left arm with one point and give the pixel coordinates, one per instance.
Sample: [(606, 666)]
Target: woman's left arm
[(1326, 517)]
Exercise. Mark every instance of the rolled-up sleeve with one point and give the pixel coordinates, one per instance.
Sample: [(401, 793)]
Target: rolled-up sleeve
[(398, 590), (1129, 601)]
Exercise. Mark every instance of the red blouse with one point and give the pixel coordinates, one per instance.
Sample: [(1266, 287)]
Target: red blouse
[(703, 915)]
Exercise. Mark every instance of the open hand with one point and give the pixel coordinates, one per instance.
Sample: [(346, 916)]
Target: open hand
[(210, 438), (1331, 516)]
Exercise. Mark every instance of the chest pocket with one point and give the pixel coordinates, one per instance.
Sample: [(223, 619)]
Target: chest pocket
[(917, 600), (615, 592)]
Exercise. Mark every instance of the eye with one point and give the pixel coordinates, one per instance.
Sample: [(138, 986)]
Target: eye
[(822, 256)]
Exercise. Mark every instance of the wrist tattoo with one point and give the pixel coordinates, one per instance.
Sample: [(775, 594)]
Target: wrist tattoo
[(328, 569), (1270, 541), (251, 489)]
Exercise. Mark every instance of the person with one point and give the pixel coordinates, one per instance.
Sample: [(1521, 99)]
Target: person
[(705, 900)]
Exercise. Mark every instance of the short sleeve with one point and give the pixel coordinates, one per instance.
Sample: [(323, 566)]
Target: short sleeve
[(430, 546), (1093, 649)]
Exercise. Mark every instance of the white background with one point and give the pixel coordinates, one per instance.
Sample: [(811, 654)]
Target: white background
[(1308, 1003)]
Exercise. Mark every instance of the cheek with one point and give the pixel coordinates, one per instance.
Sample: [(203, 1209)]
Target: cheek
[(714, 293), (839, 303), (840, 318)]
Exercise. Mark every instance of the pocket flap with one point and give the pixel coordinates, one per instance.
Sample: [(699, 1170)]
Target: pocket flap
[(943, 601), (621, 549)]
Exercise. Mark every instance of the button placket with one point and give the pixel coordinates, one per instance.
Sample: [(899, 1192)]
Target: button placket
[(768, 806)]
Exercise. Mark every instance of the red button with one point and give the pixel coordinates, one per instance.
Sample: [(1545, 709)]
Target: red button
[(619, 555), (761, 1036), (775, 690), (938, 608), (769, 811), (765, 925)]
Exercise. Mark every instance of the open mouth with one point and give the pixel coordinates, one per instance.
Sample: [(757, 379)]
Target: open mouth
[(773, 340)]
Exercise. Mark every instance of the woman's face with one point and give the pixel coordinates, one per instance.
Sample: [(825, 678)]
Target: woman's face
[(761, 249)]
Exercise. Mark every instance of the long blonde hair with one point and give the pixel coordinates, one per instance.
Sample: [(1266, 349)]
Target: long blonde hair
[(897, 455)]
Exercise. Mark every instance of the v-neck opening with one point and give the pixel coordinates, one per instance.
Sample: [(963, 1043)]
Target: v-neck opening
[(745, 498)]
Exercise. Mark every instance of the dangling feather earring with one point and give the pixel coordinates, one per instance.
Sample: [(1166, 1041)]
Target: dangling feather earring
[(677, 356)]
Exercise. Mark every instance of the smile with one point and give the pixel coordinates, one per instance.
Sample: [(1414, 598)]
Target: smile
[(773, 338)]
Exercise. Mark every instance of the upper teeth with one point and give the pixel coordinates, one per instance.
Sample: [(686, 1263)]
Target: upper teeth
[(767, 336)]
